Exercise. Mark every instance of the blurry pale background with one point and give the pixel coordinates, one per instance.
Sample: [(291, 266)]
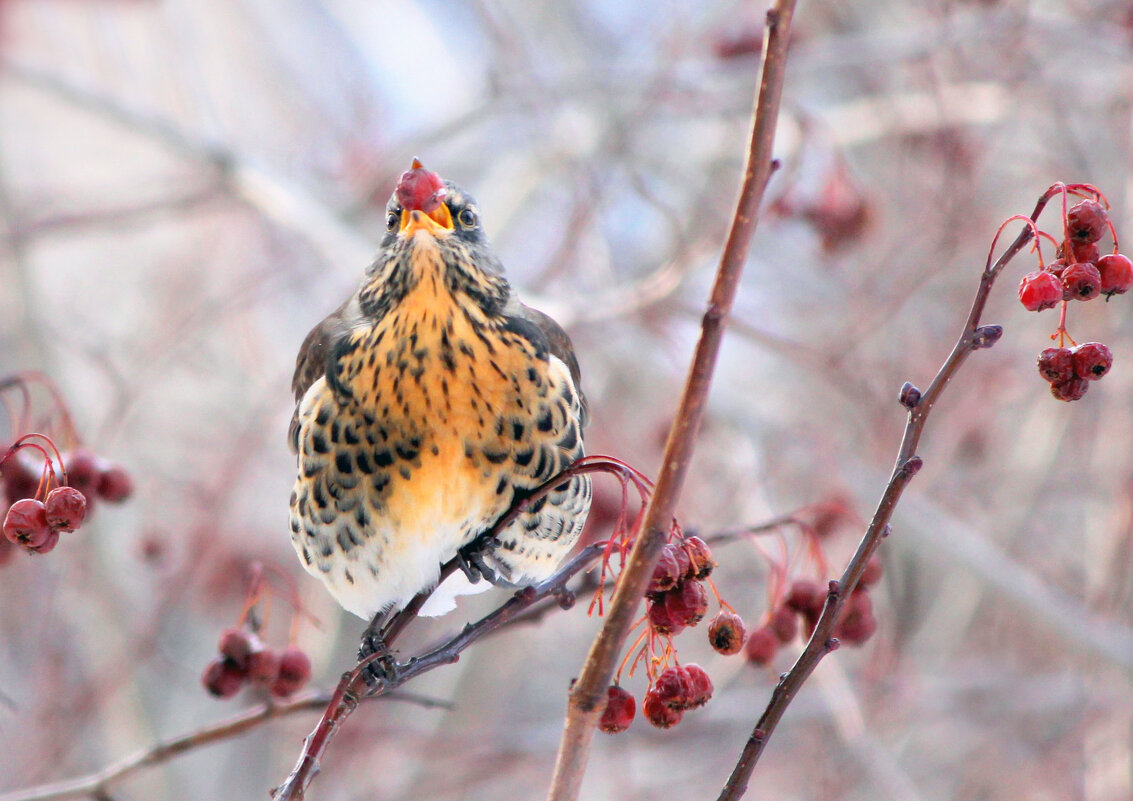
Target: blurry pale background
[(186, 186)]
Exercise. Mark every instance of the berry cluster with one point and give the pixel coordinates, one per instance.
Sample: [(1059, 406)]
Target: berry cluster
[(1069, 371), (50, 493), (1080, 272), (676, 595), (244, 658), (803, 602), (43, 492), (676, 598)]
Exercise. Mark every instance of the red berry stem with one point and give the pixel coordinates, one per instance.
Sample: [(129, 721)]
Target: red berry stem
[(30, 441), (1061, 333)]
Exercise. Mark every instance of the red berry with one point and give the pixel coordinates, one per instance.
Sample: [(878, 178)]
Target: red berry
[(1092, 360), (1087, 221), (660, 619), (762, 645), (872, 573), (222, 678), (1056, 365), (699, 685), (666, 575), (1081, 281), (294, 671), (237, 645), (1085, 251), (419, 188), (726, 633), (699, 557), (1039, 290), (687, 603), (684, 564), (1071, 390), (785, 623), (48, 544), (21, 476), (1057, 267), (659, 713), (26, 523), (673, 687), (806, 596), (857, 623), (66, 507), (619, 712), (857, 630), (115, 484), (263, 666), (1116, 272), (83, 470)]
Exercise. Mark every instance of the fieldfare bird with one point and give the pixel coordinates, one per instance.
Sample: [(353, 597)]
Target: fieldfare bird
[(427, 405)]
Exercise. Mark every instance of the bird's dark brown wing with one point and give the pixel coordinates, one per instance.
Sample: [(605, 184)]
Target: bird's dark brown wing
[(311, 364), (558, 342)]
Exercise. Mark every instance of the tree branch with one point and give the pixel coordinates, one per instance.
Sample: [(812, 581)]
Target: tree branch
[(589, 693), (972, 337), (98, 784), (353, 687)]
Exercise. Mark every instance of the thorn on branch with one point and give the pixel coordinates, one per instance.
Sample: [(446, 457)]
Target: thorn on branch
[(886, 531), (832, 644), (910, 396), (986, 336), (834, 589), (912, 466)]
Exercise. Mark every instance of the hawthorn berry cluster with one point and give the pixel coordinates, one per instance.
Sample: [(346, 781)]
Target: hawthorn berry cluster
[(245, 659), (45, 492), (676, 598), (803, 603), (1080, 272)]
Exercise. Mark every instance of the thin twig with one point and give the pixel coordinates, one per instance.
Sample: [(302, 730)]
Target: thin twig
[(98, 783), (589, 692), (353, 687), (973, 337)]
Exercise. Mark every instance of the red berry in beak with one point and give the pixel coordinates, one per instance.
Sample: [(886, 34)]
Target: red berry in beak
[(420, 189)]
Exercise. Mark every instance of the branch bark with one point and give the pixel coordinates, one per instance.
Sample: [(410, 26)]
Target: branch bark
[(589, 693)]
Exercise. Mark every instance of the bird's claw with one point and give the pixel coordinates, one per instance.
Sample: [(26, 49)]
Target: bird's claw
[(381, 666), (472, 558)]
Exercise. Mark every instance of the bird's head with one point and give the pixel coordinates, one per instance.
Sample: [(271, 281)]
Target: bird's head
[(423, 201), (432, 222)]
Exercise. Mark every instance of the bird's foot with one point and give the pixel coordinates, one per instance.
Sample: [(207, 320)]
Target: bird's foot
[(381, 667), (472, 558)]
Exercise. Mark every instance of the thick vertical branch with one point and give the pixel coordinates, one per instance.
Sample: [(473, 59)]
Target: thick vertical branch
[(589, 692)]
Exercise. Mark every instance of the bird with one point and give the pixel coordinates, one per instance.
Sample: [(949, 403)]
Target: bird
[(427, 405)]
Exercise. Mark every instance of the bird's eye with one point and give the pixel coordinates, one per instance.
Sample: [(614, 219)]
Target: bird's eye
[(391, 220), (467, 218)]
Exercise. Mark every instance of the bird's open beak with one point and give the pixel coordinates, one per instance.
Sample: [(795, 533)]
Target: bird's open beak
[(437, 222)]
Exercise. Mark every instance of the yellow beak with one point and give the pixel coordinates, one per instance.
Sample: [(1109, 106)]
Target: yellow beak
[(438, 222)]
